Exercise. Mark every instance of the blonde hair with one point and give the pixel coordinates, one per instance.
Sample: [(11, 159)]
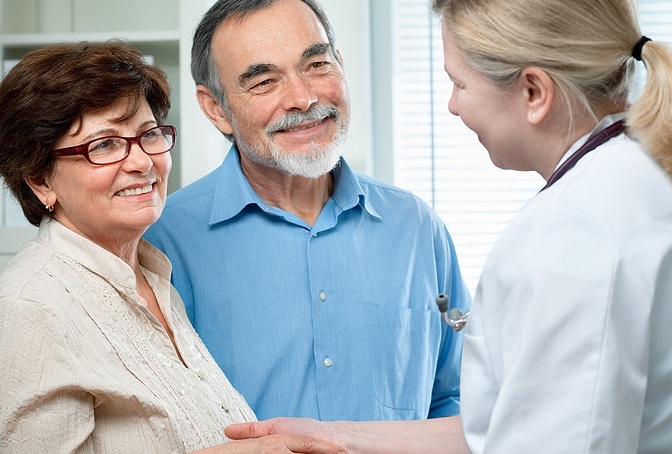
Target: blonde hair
[(584, 45)]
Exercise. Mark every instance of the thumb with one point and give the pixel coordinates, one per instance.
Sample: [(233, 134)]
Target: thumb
[(245, 430)]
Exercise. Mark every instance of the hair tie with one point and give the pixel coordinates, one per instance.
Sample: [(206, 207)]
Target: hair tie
[(637, 50)]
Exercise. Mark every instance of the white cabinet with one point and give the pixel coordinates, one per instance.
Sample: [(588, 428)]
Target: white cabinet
[(160, 28)]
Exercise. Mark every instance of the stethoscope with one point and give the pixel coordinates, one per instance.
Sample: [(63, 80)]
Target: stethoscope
[(457, 319), (454, 317)]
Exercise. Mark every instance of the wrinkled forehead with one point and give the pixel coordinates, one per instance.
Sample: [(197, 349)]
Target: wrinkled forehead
[(121, 111), (275, 35)]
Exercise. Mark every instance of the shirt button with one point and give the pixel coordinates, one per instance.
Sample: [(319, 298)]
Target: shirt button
[(314, 235), (327, 362), (323, 296)]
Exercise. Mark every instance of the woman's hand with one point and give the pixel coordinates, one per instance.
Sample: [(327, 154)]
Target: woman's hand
[(298, 426), (275, 444), (342, 433)]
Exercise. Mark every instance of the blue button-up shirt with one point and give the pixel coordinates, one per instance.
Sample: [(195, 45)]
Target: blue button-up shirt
[(333, 321)]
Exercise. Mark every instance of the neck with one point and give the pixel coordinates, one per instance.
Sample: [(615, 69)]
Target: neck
[(304, 197)]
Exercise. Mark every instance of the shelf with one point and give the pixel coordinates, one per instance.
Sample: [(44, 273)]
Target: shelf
[(40, 39), (83, 16)]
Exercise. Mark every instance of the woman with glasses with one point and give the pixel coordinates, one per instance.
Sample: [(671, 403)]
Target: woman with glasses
[(96, 350)]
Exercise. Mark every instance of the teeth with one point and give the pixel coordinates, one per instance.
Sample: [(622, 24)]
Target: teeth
[(136, 191), (301, 128)]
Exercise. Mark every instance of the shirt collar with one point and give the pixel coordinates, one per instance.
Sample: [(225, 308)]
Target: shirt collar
[(233, 192), (604, 123), (99, 260)]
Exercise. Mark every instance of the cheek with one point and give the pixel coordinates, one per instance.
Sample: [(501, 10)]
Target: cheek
[(162, 165), (334, 89), (165, 165), (83, 179), (254, 114)]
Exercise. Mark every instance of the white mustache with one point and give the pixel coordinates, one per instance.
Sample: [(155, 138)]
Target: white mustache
[(291, 119)]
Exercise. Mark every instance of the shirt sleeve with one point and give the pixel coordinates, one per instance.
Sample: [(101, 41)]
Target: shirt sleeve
[(43, 410)]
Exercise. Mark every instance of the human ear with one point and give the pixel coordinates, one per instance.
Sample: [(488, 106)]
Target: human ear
[(339, 57), (538, 93), (42, 190), (213, 110)]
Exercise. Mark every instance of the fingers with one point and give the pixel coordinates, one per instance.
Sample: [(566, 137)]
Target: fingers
[(310, 445), (299, 426), (292, 433), (243, 430), (276, 444)]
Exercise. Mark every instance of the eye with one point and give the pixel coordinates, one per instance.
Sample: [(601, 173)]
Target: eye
[(152, 134), (107, 145), (262, 86), (321, 66)]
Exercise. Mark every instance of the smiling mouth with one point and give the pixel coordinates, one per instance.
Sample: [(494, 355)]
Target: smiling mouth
[(135, 191), (304, 127)]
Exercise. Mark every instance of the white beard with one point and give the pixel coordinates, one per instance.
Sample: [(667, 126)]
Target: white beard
[(316, 162)]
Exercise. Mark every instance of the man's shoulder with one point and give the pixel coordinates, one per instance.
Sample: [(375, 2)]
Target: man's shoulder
[(382, 193), (369, 183)]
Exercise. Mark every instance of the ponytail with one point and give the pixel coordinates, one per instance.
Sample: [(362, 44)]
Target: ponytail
[(649, 119)]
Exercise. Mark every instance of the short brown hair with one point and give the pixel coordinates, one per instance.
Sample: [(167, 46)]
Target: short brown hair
[(51, 88)]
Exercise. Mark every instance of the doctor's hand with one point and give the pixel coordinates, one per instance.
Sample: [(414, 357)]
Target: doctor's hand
[(275, 444)]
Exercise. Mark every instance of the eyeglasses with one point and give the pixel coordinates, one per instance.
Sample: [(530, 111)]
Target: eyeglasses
[(113, 149)]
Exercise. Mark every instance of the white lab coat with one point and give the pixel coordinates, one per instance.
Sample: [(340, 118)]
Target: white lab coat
[(569, 346)]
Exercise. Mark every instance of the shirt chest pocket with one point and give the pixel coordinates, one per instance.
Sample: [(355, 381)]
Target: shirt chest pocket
[(404, 346)]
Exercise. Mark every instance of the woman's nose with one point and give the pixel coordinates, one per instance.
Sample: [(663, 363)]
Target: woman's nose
[(137, 159)]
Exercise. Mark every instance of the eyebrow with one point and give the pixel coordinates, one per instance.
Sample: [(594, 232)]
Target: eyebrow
[(254, 70), (316, 49), (112, 132), (260, 68)]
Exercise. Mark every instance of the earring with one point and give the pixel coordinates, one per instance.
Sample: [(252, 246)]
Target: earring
[(532, 115), (48, 207)]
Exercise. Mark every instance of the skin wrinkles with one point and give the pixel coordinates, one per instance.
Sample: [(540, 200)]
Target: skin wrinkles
[(102, 203), (288, 105)]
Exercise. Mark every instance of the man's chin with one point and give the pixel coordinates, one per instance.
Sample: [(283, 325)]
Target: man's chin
[(308, 167)]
